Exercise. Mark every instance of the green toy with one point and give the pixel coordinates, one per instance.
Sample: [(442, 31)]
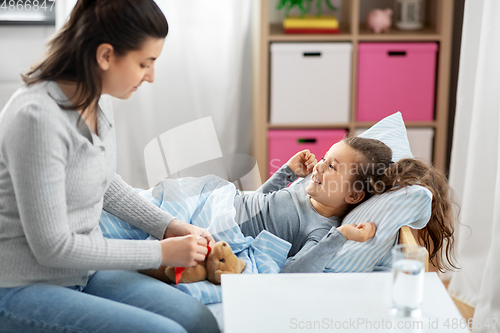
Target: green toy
[(328, 3), (289, 4)]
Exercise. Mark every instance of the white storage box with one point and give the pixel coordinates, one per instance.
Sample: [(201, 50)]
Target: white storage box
[(421, 142), (310, 83)]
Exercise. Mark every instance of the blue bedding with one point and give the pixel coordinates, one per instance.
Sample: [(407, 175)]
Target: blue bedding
[(206, 202)]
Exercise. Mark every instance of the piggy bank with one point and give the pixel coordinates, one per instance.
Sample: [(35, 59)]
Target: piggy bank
[(379, 20)]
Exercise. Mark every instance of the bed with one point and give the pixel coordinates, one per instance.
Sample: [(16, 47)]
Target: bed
[(393, 212), (405, 237)]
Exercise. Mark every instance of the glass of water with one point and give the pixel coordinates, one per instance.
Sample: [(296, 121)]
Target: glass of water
[(408, 267)]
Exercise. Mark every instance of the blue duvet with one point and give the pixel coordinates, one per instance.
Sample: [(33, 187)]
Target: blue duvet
[(206, 202)]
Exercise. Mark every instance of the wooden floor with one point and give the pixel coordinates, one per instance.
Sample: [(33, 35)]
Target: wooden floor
[(466, 311)]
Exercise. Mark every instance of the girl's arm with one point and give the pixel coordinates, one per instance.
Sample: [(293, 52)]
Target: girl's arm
[(280, 179), (314, 255), (300, 165)]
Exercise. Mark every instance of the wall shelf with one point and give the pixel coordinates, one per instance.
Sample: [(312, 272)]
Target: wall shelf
[(268, 29), (427, 34)]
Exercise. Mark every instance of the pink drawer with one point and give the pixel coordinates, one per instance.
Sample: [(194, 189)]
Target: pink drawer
[(396, 77), (283, 144)]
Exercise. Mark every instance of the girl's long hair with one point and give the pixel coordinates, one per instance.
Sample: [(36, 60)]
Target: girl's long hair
[(71, 53), (379, 174)]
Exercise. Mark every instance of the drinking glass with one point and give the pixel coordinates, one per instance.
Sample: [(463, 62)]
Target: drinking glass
[(408, 267)]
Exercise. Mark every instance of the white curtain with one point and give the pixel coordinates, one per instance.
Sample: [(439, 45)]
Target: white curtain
[(63, 8), (474, 170), (205, 69)]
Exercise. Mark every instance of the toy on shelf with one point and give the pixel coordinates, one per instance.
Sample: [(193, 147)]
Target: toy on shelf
[(379, 20), (327, 24), (289, 4), (409, 14), (328, 3), (308, 24)]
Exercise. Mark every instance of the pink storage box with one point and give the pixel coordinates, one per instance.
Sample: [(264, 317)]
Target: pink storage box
[(396, 77), (283, 144)]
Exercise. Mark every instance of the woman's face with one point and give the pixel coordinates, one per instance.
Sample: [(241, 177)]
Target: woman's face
[(126, 73), (331, 182)]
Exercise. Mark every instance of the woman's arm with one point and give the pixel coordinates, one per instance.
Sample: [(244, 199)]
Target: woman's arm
[(36, 149), (124, 202), (314, 255)]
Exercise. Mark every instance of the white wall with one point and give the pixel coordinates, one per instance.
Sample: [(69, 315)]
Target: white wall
[(20, 47)]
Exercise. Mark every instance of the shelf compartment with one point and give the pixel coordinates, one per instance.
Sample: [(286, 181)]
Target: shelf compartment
[(310, 83), (343, 14), (428, 33)]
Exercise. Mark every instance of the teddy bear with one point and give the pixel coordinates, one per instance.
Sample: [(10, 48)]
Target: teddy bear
[(220, 260)]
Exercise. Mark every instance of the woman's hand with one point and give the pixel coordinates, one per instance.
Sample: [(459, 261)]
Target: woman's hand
[(359, 233), (180, 228), (183, 251), (302, 163)]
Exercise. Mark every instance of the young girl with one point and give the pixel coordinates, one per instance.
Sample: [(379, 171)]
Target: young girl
[(308, 214), (57, 172)]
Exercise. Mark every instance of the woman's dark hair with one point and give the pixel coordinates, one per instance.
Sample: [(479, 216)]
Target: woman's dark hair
[(71, 54), (376, 174)]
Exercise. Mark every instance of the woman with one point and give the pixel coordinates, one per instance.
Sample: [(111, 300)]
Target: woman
[(57, 172)]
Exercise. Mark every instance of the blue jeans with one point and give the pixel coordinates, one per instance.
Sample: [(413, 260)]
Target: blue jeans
[(112, 301)]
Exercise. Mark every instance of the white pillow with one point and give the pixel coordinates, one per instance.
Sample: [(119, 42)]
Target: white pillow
[(390, 211), (392, 131)]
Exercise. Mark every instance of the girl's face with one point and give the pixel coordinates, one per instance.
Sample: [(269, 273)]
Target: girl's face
[(123, 75), (330, 188)]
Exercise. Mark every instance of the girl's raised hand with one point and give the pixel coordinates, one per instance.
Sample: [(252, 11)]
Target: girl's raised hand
[(183, 251), (302, 163), (359, 233)]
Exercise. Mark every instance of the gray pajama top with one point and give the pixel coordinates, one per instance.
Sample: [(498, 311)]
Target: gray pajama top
[(288, 213)]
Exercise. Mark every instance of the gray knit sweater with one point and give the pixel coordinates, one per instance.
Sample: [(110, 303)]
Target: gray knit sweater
[(56, 176)]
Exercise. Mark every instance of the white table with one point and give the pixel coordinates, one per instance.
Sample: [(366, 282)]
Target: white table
[(342, 302)]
